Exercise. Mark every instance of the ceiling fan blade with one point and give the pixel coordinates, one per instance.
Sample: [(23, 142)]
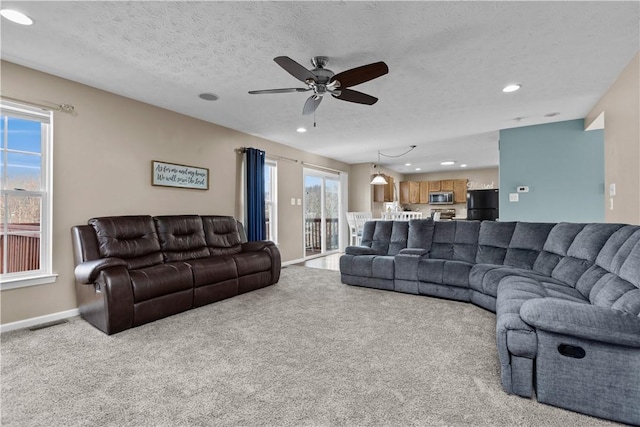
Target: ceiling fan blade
[(355, 96), (358, 75), (312, 103), (284, 90), (295, 69)]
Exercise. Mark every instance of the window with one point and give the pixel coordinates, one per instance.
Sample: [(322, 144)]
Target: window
[(25, 208), (270, 199)]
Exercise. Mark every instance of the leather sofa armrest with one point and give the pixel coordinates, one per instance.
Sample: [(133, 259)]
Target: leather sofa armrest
[(87, 272), (360, 250), (257, 245), (582, 320), (413, 251)]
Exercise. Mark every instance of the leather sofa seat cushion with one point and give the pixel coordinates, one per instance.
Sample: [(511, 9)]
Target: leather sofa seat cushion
[(181, 237), (438, 271), (251, 262), (159, 280), (212, 270), (222, 235), (131, 238)]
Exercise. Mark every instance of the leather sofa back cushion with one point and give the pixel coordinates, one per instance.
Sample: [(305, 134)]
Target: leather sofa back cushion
[(222, 235), (131, 238), (181, 237)]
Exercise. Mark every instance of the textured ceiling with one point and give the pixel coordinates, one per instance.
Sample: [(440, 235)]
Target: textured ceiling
[(448, 62)]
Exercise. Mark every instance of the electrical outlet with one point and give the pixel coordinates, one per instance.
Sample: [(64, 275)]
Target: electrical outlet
[(514, 197)]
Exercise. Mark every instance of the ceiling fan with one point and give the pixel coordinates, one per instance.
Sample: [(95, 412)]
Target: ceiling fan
[(322, 81)]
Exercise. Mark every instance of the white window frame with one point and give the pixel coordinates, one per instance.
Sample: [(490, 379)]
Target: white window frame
[(45, 273), (272, 204)]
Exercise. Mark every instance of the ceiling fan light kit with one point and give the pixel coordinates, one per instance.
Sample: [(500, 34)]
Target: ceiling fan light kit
[(321, 81)]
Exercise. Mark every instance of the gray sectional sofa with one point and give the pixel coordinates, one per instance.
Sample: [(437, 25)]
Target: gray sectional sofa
[(566, 298)]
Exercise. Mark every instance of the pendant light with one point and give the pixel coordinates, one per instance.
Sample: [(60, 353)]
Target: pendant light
[(379, 179)]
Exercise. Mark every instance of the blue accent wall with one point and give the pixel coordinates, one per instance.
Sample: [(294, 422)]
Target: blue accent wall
[(562, 165)]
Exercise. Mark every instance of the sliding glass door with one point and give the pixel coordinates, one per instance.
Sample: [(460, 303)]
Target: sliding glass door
[(321, 212)]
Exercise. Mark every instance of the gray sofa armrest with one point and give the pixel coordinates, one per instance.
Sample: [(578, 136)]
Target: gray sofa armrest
[(87, 272), (413, 251), (582, 320), (360, 250)]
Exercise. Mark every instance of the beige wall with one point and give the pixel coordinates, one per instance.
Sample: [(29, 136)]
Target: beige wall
[(621, 106), (102, 161)]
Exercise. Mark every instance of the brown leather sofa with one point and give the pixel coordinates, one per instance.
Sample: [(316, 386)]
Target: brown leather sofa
[(131, 270)]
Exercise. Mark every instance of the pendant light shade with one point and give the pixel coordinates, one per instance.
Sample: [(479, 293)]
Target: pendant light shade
[(379, 179)]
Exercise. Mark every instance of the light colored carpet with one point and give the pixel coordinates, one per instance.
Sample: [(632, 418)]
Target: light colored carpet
[(307, 351)]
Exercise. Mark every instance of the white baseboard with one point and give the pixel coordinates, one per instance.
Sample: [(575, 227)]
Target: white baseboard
[(27, 323), (293, 261)]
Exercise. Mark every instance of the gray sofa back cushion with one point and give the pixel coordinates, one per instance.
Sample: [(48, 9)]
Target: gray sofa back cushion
[(556, 246), (385, 237), (181, 237), (455, 240), (614, 280), (420, 233), (493, 242), (131, 238), (526, 244), (582, 252)]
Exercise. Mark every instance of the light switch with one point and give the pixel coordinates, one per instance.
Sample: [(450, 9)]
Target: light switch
[(514, 197), (612, 190), (299, 202), (293, 201)]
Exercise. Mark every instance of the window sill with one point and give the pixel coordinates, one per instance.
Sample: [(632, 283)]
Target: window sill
[(23, 282)]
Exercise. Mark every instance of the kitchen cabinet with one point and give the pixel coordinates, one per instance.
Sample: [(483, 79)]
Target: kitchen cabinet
[(446, 185), (409, 192), (434, 186), (460, 191), (424, 192), (384, 193)]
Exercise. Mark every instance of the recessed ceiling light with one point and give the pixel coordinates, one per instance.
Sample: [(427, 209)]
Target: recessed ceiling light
[(208, 96), (301, 130), (407, 164), (448, 163), (463, 166), (510, 88), (418, 169), (15, 16)]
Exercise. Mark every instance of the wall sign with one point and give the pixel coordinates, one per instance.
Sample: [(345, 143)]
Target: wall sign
[(182, 176)]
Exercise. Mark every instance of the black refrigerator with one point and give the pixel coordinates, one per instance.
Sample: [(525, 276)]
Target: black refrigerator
[(482, 204)]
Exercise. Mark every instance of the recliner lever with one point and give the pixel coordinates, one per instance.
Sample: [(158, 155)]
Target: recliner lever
[(571, 351)]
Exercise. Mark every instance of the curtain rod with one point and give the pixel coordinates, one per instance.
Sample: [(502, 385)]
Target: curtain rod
[(64, 108), (322, 167), (242, 150)]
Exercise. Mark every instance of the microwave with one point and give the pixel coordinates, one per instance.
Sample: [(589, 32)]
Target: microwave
[(441, 198)]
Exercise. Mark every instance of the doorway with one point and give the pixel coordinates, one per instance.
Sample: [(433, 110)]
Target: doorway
[(321, 212)]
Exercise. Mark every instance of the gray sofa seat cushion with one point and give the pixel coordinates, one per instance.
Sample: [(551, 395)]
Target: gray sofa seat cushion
[(371, 266), (444, 272), (485, 278)]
